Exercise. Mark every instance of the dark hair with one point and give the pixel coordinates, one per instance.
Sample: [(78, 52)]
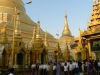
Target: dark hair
[(65, 64), (11, 70)]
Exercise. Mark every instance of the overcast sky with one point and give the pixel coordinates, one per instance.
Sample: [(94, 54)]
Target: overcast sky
[(51, 14)]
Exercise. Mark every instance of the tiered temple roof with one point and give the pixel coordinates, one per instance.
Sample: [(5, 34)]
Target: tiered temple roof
[(94, 24)]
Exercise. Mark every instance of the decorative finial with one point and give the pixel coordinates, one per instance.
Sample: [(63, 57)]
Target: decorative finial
[(38, 21), (94, 0), (65, 15), (38, 30), (80, 31), (66, 31)]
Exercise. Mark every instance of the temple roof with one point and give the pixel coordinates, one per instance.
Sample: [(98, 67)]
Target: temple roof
[(94, 24), (95, 15)]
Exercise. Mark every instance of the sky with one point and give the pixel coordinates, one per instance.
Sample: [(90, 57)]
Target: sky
[(51, 14)]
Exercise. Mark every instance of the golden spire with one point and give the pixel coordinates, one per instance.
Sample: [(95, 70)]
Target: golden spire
[(58, 50), (95, 15), (80, 38), (57, 46), (38, 34), (66, 31), (34, 35), (94, 1), (46, 40), (67, 53), (99, 6)]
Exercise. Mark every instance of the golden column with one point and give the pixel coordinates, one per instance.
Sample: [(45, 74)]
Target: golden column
[(15, 59), (26, 63), (89, 49), (13, 38), (39, 57)]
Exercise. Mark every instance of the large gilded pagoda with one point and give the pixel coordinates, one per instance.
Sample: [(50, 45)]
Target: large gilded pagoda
[(66, 39), (22, 41)]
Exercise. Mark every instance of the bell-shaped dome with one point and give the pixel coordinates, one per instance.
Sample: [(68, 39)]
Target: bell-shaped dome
[(12, 4)]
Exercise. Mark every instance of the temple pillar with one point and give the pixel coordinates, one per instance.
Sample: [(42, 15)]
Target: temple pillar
[(26, 60), (46, 57), (89, 49), (15, 59), (75, 56), (33, 59), (7, 60), (39, 57), (83, 55)]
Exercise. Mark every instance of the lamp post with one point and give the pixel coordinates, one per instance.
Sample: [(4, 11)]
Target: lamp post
[(15, 14)]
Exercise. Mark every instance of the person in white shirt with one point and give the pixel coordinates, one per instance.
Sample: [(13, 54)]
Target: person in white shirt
[(62, 66), (68, 63), (76, 67), (65, 69), (54, 69), (99, 63), (99, 67), (33, 69), (40, 69), (44, 69), (48, 68), (11, 71), (10, 74), (70, 68)]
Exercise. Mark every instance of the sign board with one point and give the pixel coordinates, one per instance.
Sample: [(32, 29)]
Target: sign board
[(95, 45)]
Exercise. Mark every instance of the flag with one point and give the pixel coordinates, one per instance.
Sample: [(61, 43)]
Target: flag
[(57, 34)]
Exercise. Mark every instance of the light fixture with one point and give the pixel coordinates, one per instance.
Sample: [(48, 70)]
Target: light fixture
[(28, 2)]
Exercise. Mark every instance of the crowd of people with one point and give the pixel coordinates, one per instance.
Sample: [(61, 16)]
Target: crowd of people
[(67, 68)]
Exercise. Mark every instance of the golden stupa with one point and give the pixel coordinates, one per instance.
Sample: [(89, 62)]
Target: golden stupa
[(66, 38), (66, 34), (17, 45), (7, 12)]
